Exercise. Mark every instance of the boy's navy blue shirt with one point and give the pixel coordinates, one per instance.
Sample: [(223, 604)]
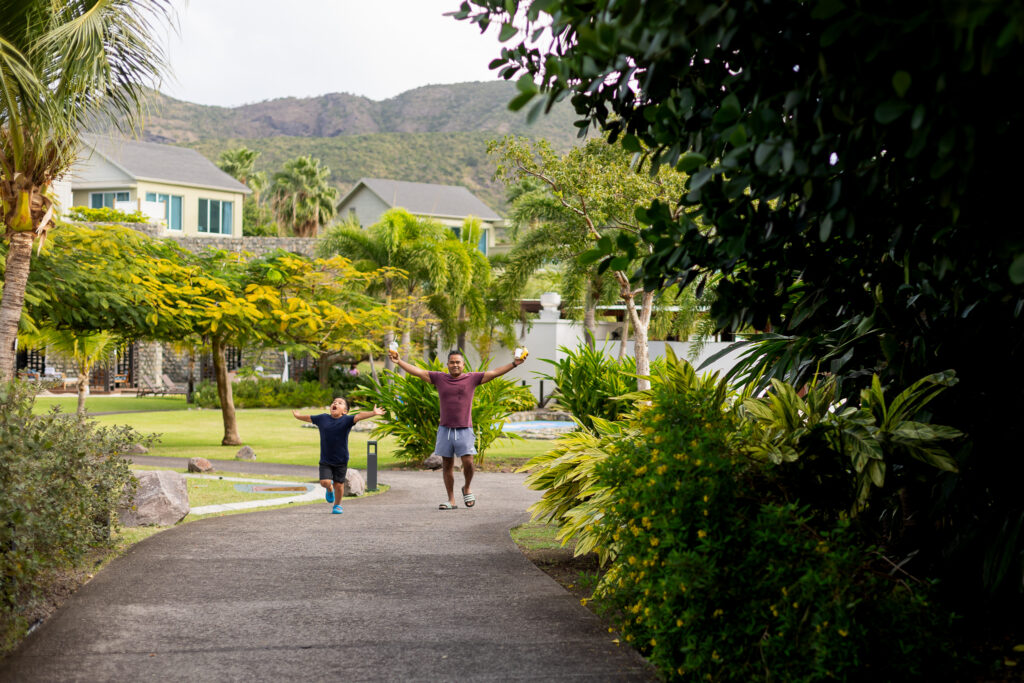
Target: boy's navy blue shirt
[(333, 437)]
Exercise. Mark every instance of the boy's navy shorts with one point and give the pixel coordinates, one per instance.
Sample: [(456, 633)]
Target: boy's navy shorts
[(335, 473)]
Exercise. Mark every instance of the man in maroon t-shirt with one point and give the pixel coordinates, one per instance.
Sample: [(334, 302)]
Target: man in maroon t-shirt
[(455, 434)]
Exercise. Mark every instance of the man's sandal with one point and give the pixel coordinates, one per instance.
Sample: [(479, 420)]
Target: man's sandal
[(446, 506), (468, 498)]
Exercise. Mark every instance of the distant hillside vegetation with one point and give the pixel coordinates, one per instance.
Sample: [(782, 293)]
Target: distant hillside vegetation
[(444, 158), (433, 134)]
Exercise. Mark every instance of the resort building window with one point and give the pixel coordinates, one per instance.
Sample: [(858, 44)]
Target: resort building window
[(97, 200), (172, 208), (215, 216)]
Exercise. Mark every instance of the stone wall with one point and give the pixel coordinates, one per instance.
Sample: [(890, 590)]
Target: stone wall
[(149, 363), (257, 246), (175, 364)]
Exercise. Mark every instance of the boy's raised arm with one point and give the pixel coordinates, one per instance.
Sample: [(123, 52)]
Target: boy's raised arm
[(304, 418), (366, 414)]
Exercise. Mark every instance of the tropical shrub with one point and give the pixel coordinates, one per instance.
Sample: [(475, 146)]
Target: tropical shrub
[(588, 382), (265, 392), (413, 409), (835, 453), (574, 497), (62, 479), (520, 399), (718, 576), (105, 215)]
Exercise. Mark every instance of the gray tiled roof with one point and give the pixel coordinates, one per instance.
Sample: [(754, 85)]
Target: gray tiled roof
[(427, 199), (152, 161)]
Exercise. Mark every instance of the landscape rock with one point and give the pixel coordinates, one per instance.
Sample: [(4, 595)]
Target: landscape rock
[(137, 449), (433, 462), (354, 483), (161, 498), (245, 453), (201, 465)]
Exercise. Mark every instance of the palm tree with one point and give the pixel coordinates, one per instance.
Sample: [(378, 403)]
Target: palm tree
[(84, 349), (63, 65), (238, 163), (302, 197), (258, 183), (398, 240), (461, 304), (550, 237)]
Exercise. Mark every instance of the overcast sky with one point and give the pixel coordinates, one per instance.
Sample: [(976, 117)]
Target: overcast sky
[(232, 52)]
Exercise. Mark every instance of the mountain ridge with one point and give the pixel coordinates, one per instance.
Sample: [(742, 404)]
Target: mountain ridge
[(433, 133), (457, 107)]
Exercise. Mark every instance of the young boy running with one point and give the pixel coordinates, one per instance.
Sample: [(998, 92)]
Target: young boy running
[(334, 427)]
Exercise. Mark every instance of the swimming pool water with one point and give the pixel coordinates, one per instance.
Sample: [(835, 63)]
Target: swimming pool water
[(537, 424)]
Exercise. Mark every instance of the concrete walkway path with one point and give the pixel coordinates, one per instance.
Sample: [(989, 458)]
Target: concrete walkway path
[(392, 590)]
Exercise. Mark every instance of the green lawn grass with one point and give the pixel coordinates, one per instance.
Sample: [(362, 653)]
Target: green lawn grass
[(107, 404), (277, 437), (537, 536)]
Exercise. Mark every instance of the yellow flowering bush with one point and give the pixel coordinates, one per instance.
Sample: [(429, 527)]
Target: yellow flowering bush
[(716, 575)]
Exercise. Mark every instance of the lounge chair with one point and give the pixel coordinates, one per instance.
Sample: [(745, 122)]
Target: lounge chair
[(146, 388), (171, 387)]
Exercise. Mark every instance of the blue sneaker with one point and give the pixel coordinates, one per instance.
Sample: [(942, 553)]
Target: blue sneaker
[(336, 510), (330, 496)]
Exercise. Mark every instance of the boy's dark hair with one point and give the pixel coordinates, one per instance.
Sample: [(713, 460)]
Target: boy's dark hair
[(455, 352)]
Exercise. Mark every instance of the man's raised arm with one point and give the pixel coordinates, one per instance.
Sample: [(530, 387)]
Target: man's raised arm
[(498, 372), (409, 368)]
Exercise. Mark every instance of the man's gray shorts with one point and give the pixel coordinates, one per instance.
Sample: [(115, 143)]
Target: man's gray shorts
[(452, 441)]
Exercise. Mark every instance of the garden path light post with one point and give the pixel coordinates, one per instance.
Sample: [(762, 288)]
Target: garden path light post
[(371, 465)]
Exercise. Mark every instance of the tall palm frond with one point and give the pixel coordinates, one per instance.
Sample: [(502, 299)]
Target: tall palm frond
[(63, 67)]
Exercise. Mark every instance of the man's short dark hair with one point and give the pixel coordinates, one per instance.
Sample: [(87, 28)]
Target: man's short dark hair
[(455, 352)]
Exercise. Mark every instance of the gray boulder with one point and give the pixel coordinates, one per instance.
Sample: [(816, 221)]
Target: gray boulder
[(354, 483), (433, 462), (137, 449), (245, 453), (161, 498), (200, 465)]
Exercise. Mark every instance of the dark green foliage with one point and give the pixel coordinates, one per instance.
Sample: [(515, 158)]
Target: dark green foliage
[(61, 480), (257, 221), (717, 576), (413, 410), (836, 455), (266, 393), (588, 383), (851, 160), (104, 215)]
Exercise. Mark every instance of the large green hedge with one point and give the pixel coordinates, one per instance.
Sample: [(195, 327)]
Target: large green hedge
[(266, 393), (61, 480)]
